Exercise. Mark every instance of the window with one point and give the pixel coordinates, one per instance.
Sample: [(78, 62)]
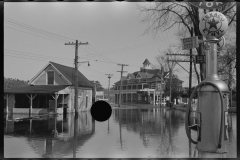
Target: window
[(50, 77)]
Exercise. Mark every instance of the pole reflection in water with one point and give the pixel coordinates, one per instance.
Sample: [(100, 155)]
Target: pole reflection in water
[(108, 127), (30, 127), (75, 136), (120, 128)]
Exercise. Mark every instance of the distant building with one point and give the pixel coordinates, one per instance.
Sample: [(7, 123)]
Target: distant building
[(50, 90), (144, 86)]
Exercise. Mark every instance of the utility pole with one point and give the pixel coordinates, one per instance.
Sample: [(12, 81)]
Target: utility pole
[(190, 74), (76, 74), (119, 100), (182, 60), (95, 90), (109, 76)]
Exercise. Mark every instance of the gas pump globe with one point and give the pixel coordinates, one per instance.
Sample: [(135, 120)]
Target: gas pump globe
[(212, 111)]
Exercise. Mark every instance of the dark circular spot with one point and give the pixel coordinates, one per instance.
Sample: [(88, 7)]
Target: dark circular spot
[(101, 111)]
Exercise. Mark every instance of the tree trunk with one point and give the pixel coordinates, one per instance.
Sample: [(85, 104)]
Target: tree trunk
[(202, 65), (170, 83)]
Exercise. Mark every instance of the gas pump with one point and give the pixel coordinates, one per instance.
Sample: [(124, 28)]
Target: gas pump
[(212, 111)]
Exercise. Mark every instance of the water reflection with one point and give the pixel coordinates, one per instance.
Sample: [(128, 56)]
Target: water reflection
[(53, 136), (128, 133), (160, 125)]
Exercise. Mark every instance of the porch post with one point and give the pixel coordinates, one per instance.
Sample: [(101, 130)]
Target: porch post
[(56, 97), (31, 99), (63, 100), (7, 102), (154, 98), (30, 111)]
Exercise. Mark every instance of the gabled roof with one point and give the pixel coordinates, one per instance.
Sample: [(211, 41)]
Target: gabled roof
[(152, 71), (141, 74), (149, 75), (130, 76), (67, 74), (146, 62)]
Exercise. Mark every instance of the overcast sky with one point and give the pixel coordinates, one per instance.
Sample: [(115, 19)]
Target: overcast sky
[(113, 30)]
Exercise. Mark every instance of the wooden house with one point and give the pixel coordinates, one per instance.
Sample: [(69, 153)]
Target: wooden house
[(50, 90)]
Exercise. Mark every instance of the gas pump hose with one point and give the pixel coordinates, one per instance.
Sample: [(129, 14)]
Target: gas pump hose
[(188, 111)]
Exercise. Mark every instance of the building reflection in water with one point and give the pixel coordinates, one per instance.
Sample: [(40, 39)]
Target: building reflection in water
[(54, 136), (156, 123)]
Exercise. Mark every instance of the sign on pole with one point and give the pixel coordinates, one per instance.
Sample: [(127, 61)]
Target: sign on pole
[(200, 59), (208, 5), (189, 43)]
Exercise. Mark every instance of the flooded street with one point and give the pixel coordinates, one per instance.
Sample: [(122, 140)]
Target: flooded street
[(129, 133)]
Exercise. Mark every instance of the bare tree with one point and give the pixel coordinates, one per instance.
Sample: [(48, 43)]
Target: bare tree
[(168, 63), (162, 16), (227, 65)]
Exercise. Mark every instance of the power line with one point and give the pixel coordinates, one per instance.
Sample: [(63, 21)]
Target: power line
[(12, 51), (101, 54), (37, 32), (33, 34), (6, 52), (129, 48), (35, 29), (47, 59), (31, 58)]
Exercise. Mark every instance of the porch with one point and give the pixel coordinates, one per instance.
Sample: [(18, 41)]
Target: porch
[(37, 99)]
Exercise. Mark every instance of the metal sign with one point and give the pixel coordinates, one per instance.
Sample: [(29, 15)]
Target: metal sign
[(177, 54), (208, 5), (179, 60), (213, 25), (189, 43), (200, 59)]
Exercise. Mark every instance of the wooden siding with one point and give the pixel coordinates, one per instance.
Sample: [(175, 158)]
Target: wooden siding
[(41, 80), (81, 101), (58, 79)]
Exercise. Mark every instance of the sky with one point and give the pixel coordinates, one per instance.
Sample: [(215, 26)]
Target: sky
[(36, 32)]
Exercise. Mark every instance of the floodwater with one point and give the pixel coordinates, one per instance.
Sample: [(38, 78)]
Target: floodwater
[(129, 133)]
